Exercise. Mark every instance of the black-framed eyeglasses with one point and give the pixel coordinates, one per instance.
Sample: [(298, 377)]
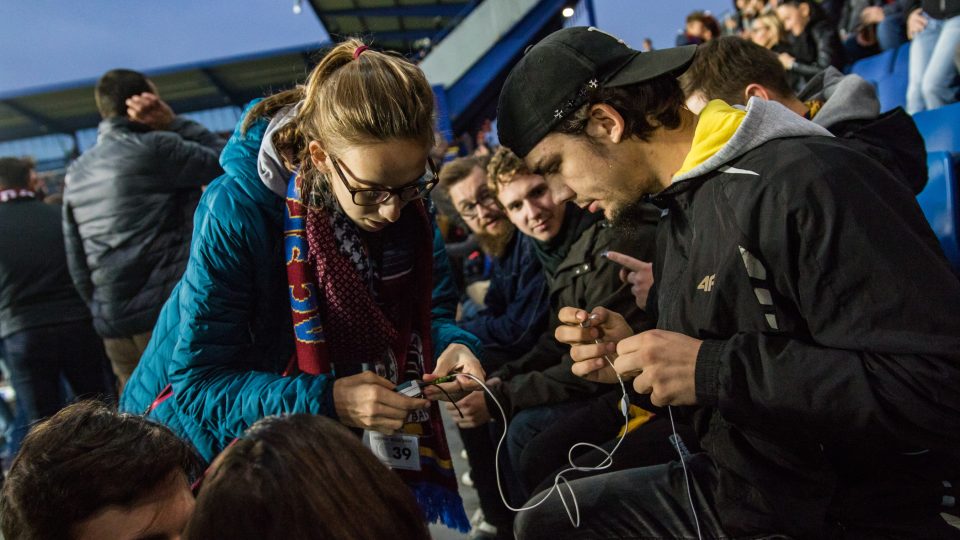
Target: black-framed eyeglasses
[(471, 209), (417, 189)]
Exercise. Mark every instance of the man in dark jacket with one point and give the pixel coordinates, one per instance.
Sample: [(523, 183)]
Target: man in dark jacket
[(808, 325), (814, 44), (44, 325), (128, 211), (515, 305), (736, 70), (538, 387)]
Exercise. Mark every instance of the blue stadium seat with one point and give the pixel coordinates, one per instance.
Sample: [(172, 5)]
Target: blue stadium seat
[(941, 204), (901, 64), (892, 88), (876, 67), (940, 128), (892, 92)]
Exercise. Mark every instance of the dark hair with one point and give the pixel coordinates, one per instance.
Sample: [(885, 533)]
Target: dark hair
[(81, 460), (303, 476), (454, 172), (707, 21), (817, 12), (115, 87), (724, 67), (15, 173), (644, 107)]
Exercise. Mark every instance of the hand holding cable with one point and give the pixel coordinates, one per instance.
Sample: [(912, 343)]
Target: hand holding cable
[(456, 359), (593, 337), (664, 365)]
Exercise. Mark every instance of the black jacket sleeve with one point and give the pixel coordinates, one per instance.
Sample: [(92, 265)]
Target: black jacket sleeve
[(76, 257), (188, 162), (880, 361), (829, 51), (196, 132)]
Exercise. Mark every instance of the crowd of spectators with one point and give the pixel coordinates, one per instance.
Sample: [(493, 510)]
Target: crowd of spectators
[(810, 36)]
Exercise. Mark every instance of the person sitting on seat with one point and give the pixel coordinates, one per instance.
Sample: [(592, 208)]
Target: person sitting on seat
[(735, 71)]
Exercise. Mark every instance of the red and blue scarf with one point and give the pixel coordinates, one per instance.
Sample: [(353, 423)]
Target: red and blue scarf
[(363, 302)]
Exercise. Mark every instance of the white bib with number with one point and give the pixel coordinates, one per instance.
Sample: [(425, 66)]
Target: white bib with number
[(396, 451)]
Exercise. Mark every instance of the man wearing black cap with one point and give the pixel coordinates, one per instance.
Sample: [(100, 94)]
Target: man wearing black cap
[(807, 324)]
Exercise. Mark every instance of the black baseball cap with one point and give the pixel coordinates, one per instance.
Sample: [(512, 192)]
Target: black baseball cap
[(553, 79)]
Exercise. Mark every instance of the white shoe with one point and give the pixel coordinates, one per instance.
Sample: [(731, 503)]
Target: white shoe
[(476, 518), (463, 453), (466, 480), (484, 529)]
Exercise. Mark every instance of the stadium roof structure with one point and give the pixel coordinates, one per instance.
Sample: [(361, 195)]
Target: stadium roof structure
[(70, 107), (401, 25)]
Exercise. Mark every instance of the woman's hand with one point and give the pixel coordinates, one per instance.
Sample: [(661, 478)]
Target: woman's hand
[(456, 357), (581, 329), (368, 401)]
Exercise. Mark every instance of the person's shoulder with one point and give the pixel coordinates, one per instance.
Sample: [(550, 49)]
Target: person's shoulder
[(226, 197), (793, 168), (801, 157)]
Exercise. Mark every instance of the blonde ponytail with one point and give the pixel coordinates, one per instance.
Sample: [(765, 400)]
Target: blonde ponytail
[(350, 99)]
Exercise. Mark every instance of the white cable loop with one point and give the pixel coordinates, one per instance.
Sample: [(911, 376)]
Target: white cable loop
[(605, 464)]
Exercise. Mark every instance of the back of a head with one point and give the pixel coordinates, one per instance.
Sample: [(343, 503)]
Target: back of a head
[(115, 87), (354, 96), (81, 460), (14, 173), (708, 21), (724, 67), (303, 476)]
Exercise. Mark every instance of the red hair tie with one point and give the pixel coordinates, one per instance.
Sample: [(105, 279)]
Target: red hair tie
[(358, 51)]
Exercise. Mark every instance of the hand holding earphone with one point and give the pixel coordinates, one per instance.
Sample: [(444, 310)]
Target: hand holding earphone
[(663, 364), (593, 337), (457, 360)]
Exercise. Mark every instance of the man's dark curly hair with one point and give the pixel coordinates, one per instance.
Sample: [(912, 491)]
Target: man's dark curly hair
[(644, 107), (83, 459)]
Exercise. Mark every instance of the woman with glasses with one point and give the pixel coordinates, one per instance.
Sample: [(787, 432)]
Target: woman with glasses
[(318, 281)]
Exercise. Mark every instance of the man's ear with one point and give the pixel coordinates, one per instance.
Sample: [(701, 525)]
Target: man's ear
[(317, 155), (604, 122), (757, 90)]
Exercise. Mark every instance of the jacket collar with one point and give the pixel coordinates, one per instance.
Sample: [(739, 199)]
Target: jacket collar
[(116, 123)]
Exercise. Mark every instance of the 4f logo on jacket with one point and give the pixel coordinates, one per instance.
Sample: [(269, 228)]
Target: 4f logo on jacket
[(706, 285)]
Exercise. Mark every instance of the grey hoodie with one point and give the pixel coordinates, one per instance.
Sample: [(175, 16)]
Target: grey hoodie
[(765, 121), (851, 111), (844, 97), (269, 165)]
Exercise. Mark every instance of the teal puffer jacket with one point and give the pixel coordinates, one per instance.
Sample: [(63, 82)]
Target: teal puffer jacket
[(225, 334)]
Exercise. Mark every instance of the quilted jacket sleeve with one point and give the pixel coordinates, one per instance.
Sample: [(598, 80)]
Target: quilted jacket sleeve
[(444, 329), (212, 372)]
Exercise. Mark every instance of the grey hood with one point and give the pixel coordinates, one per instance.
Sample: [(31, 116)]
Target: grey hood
[(765, 121), (269, 165), (844, 97)]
